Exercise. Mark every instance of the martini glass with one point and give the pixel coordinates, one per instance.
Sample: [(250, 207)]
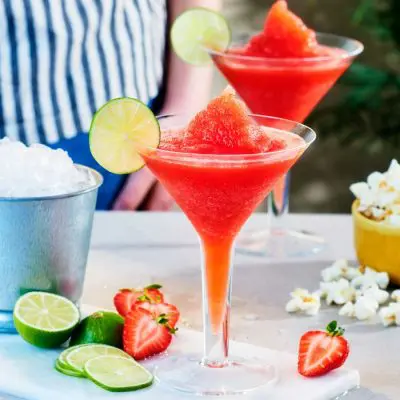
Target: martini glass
[(218, 193), (286, 88)]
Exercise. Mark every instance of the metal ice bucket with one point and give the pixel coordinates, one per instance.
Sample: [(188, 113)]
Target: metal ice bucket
[(44, 245)]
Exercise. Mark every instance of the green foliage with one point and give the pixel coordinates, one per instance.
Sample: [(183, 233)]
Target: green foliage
[(369, 112), (381, 16)]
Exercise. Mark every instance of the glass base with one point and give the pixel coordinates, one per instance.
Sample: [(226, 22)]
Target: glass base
[(6, 322), (280, 243), (187, 374)]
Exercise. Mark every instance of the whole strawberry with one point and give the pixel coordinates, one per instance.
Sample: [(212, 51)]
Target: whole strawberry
[(322, 351)]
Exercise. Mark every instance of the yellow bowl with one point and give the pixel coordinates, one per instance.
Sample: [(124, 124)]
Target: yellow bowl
[(377, 244)]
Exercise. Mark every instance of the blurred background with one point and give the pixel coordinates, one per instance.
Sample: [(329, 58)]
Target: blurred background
[(359, 120)]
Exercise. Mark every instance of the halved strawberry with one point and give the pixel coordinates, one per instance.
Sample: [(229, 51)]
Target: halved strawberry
[(165, 309), (126, 298), (321, 352), (144, 334)]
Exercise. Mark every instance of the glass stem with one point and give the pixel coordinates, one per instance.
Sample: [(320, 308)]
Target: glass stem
[(278, 202), (217, 260)]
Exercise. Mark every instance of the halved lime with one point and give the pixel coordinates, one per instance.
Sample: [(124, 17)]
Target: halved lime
[(118, 129), (77, 358), (196, 30), (45, 319), (67, 371), (118, 374)]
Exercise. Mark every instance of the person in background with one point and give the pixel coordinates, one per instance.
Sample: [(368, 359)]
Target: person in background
[(61, 60)]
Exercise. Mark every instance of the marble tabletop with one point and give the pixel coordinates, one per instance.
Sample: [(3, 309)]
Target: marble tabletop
[(131, 249)]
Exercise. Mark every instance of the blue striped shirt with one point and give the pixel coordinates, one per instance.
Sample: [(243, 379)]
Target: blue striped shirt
[(60, 60)]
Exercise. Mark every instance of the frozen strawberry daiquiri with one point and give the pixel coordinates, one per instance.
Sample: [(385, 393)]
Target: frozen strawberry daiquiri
[(285, 71), (218, 166)]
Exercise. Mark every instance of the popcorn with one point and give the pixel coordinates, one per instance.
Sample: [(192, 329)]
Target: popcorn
[(337, 292), (390, 315), (363, 282), (364, 308), (394, 209), (378, 213), (340, 269), (394, 220), (381, 278), (303, 301), (360, 189), (367, 199), (299, 293), (379, 197), (393, 175), (348, 310), (370, 278), (396, 295), (360, 294), (394, 168), (375, 180), (385, 199), (373, 292)]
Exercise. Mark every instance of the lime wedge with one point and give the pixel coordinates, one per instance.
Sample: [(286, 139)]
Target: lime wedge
[(67, 371), (44, 319), (77, 358), (118, 129), (118, 374), (195, 31)]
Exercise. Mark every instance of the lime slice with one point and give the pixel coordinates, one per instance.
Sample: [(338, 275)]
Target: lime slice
[(62, 358), (118, 129), (118, 374), (77, 358), (67, 371), (44, 319), (197, 30)]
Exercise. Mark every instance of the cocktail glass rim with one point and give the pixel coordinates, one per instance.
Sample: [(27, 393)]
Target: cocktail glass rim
[(357, 50), (193, 157)]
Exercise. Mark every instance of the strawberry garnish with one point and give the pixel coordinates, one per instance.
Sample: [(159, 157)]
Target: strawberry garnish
[(126, 298), (145, 334), (321, 352), (168, 310)]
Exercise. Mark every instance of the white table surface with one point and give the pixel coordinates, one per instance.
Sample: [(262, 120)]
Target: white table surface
[(130, 249), (133, 249)]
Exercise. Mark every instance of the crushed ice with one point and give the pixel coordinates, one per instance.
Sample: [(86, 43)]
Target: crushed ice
[(38, 170)]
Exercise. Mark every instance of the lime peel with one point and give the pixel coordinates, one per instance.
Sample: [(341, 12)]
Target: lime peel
[(60, 367)]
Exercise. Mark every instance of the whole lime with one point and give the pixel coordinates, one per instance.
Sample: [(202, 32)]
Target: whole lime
[(102, 327)]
